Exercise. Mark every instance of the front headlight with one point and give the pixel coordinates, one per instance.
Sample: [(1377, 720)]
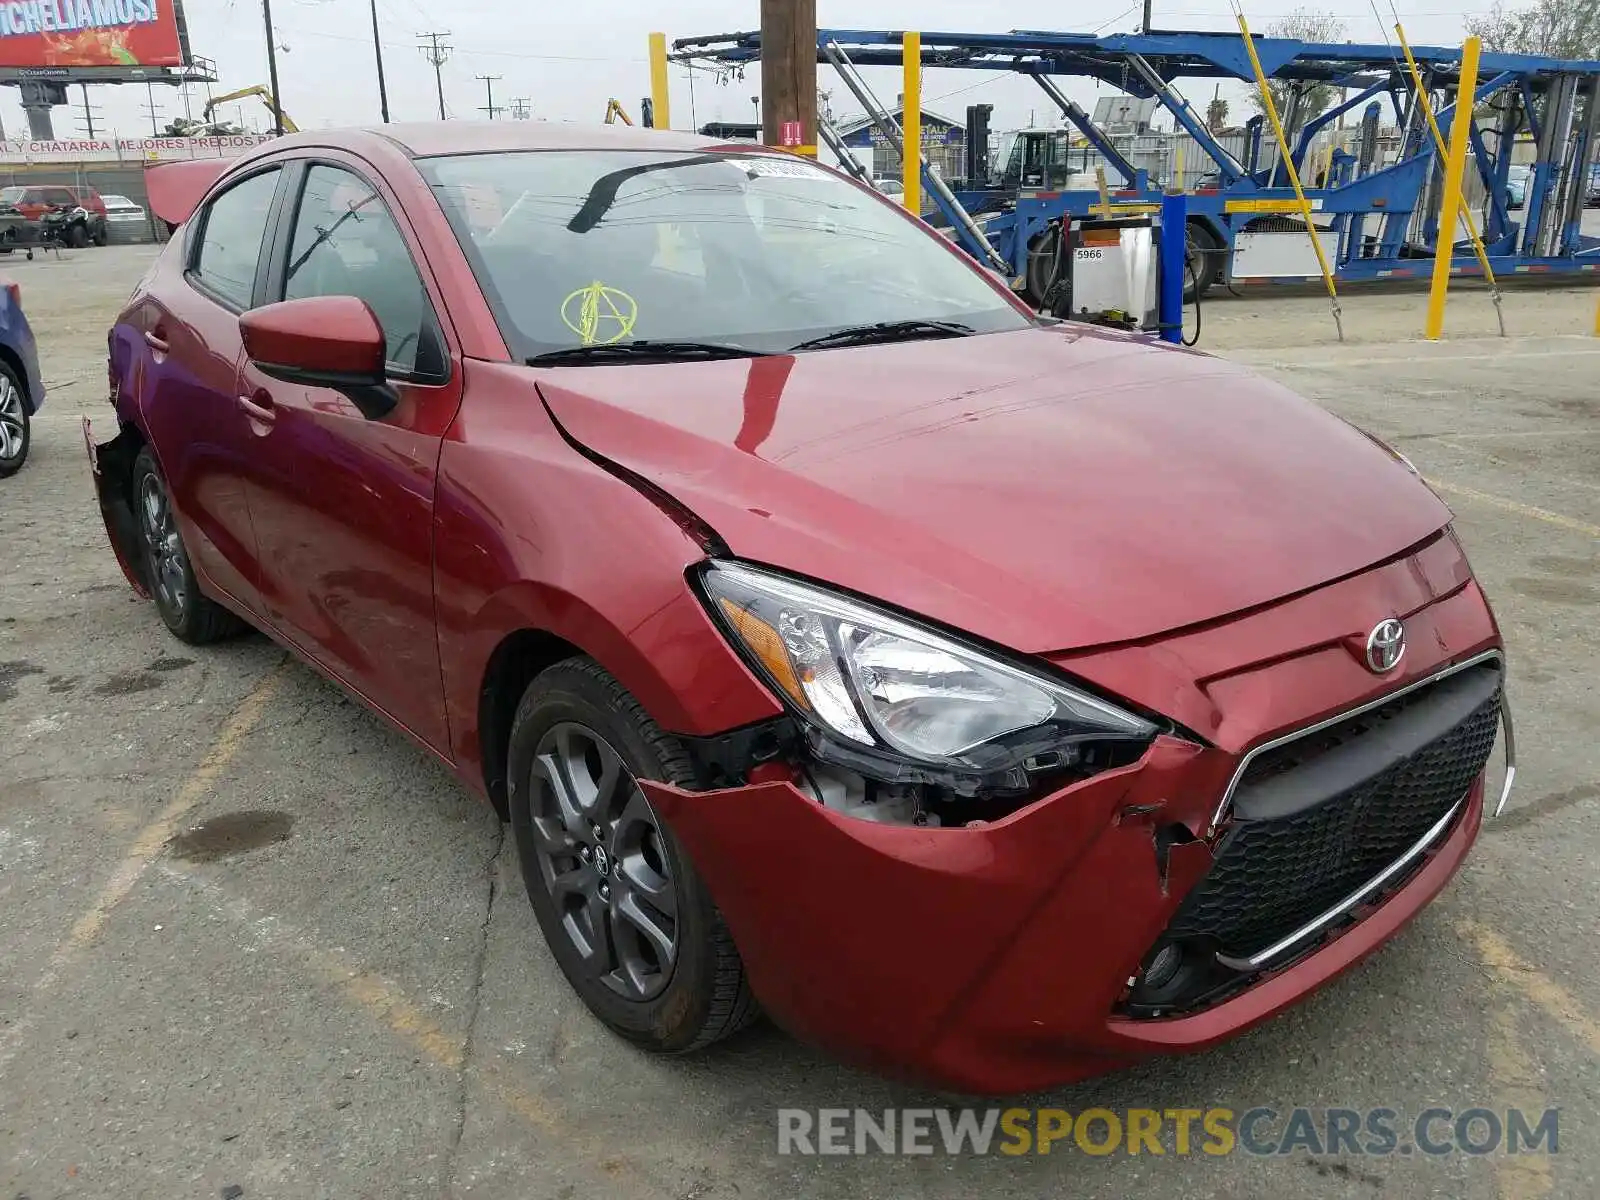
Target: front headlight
[(901, 690)]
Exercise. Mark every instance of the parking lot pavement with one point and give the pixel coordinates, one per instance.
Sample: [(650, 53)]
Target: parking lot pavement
[(340, 992)]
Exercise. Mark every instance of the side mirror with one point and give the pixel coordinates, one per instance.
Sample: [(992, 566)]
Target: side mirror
[(322, 341)]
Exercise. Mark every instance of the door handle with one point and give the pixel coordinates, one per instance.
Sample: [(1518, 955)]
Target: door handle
[(259, 407), (155, 341)]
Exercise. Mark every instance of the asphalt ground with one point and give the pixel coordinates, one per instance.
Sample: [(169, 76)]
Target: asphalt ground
[(342, 993)]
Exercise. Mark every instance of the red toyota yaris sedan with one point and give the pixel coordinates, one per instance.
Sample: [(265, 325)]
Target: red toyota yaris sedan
[(994, 700)]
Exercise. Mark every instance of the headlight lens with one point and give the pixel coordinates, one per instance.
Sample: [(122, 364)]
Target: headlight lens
[(890, 685)]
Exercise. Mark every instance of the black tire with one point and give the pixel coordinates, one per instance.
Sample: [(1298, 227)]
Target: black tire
[(101, 236), (17, 434), (77, 236), (702, 995), (1204, 257), (192, 616), (1041, 264)]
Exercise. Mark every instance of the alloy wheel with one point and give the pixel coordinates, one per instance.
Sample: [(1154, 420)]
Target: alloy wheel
[(163, 549), (602, 859), (11, 420)]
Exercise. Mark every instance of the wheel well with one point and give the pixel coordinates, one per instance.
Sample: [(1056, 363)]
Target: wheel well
[(1211, 229), (512, 667)]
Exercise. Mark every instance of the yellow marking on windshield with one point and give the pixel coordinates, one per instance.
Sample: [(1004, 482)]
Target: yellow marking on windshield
[(599, 315)]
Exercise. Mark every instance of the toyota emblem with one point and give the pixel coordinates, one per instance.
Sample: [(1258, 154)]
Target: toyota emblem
[(1386, 646)]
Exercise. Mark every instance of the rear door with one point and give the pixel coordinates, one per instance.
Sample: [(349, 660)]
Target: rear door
[(188, 346), (343, 506)]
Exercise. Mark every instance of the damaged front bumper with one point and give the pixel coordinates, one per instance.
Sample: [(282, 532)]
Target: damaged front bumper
[(997, 958), (1023, 952), (111, 463)]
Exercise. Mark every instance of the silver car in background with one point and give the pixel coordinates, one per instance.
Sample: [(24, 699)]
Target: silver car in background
[(126, 221)]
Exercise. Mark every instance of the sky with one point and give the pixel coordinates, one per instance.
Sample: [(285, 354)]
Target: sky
[(566, 59)]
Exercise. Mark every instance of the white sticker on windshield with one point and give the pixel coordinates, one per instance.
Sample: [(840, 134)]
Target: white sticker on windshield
[(783, 168)]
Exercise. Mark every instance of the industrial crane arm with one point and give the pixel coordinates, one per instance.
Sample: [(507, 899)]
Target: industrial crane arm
[(267, 98)]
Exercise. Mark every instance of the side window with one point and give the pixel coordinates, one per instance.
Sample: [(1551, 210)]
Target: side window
[(347, 244), (231, 236)]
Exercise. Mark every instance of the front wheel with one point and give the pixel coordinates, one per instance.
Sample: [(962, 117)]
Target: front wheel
[(623, 910), (191, 616), (15, 431), (77, 237)]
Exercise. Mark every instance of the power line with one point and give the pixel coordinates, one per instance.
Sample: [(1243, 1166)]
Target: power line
[(521, 108), (488, 82), (89, 111), (152, 108), (436, 52), (517, 54)]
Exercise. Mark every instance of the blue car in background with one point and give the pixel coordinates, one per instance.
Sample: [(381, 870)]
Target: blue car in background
[(21, 388)]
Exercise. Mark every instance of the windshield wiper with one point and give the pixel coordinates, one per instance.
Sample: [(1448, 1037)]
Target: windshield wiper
[(644, 350), (885, 331)]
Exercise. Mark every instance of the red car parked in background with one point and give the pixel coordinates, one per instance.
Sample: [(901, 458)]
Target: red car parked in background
[(998, 700), (81, 228)]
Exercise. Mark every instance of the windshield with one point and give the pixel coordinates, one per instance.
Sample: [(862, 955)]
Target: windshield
[(755, 252), (12, 195)]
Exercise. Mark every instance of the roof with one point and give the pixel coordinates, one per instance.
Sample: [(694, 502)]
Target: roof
[(855, 124), (424, 139)]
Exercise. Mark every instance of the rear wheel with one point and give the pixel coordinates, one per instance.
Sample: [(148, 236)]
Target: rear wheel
[(15, 432), (101, 236), (191, 616), (1041, 264), (623, 910), (1204, 261), (77, 236)]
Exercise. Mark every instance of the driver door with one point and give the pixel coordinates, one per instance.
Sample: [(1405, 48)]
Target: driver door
[(343, 506)]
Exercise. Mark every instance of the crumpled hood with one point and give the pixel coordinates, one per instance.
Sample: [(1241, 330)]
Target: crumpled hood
[(1047, 489)]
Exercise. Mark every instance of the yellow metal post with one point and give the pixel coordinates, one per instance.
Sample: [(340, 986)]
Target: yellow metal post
[(1271, 110), (911, 122), (660, 101), (1450, 205), (1597, 321), (1421, 93)]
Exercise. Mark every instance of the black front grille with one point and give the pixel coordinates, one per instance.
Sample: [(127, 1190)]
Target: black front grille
[(1320, 816)]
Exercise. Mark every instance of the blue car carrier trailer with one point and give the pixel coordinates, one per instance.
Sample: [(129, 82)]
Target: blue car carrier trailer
[(1377, 220)]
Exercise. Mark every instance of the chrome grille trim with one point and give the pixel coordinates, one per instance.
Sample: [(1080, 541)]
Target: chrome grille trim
[(1307, 731), (1258, 960)]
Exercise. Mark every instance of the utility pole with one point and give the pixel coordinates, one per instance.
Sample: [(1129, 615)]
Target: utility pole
[(272, 69), (488, 82), (789, 72), (88, 114), (152, 108), (521, 108), (377, 50), (1145, 28), (436, 52)]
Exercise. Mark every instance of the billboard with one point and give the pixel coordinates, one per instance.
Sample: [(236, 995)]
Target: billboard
[(89, 33)]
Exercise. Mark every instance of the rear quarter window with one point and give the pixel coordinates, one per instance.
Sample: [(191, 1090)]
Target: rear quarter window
[(231, 232)]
